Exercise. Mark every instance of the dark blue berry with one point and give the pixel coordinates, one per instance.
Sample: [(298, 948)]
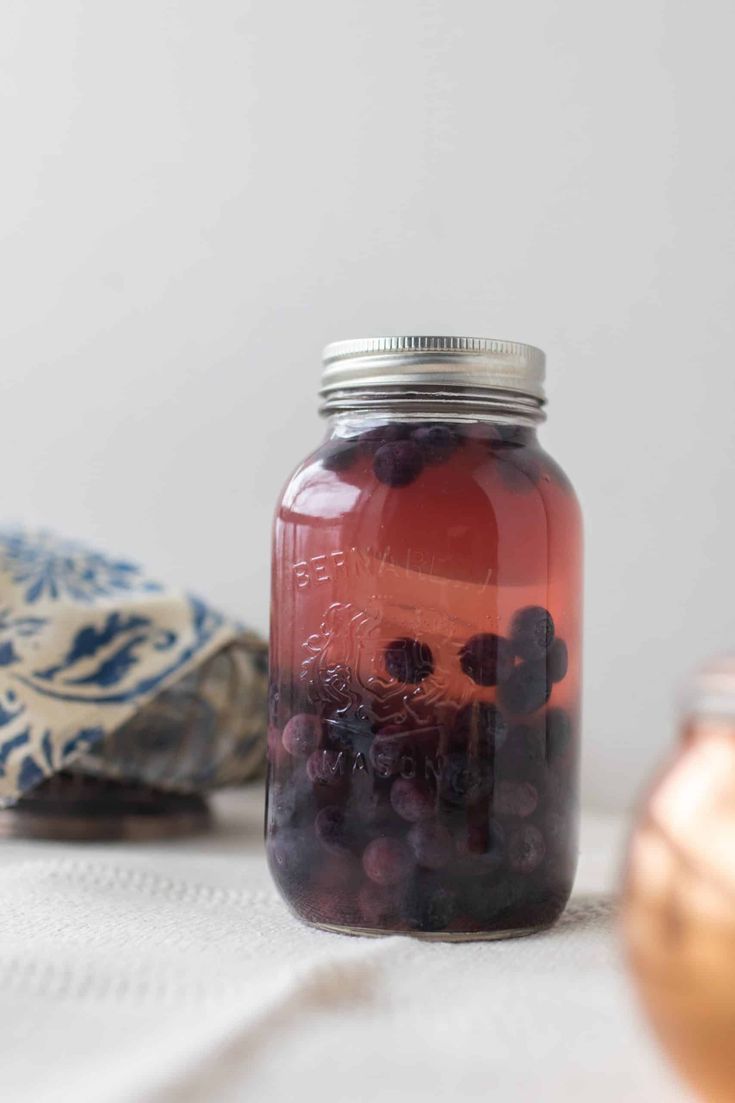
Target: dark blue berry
[(532, 632), (291, 854), (301, 735), (558, 735), (383, 434), (332, 829), (464, 780), (387, 861), (526, 690), (412, 800), (430, 907), (431, 843), (526, 849), (483, 899), (436, 442), (557, 661), (487, 659), (481, 725), (524, 753), (409, 660), (512, 434), (515, 798), (339, 455), (397, 463)]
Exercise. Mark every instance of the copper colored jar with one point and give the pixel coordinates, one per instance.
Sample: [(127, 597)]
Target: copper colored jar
[(679, 898), (425, 650)]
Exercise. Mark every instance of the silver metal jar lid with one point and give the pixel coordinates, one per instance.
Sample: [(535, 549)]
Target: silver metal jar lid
[(474, 362)]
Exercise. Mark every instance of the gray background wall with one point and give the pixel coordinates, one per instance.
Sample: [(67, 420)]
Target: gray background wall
[(196, 196)]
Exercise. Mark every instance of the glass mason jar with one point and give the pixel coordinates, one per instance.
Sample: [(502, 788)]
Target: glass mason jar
[(425, 650)]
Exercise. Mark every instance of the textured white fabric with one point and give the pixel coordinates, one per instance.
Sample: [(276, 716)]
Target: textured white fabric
[(152, 974)]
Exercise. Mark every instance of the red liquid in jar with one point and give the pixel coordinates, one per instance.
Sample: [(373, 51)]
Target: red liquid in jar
[(425, 682)]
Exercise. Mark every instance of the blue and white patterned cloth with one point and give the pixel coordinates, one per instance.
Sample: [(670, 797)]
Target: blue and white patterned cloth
[(85, 642)]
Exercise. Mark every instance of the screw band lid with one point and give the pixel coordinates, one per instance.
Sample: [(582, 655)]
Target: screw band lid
[(477, 363)]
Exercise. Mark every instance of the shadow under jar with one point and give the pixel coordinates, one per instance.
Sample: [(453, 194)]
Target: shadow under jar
[(425, 650)]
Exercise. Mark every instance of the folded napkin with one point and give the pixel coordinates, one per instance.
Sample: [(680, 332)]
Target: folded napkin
[(105, 671)]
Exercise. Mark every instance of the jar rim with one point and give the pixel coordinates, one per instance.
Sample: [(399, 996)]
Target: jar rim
[(477, 363)]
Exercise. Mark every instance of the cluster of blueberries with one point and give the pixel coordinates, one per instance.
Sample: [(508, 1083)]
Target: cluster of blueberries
[(524, 667), (463, 824), (401, 450)]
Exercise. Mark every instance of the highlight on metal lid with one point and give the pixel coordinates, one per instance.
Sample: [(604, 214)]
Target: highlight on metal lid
[(424, 361)]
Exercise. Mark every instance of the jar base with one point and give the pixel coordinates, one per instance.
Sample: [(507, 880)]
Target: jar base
[(434, 936)]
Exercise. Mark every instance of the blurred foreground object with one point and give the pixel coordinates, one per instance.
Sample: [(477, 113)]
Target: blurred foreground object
[(132, 697), (679, 902)]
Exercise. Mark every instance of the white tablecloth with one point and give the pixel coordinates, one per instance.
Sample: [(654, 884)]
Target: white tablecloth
[(141, 973)]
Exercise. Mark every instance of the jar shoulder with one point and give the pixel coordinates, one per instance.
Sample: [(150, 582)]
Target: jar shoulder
[(342, 476)]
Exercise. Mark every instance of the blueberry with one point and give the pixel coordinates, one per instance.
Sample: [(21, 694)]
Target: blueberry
[(409, 660), (370, 812), (290, 854), (332, 830), (512, 434), (387, 861), (524, 753), (430, 907), (532, 632), (487, 659), (515, 798), (558, 735), (383, 434), (526, 849), (464, 780), (301, 735), (326, 767), (397, 463), (431, 843), (436, 442), (526, 690), (411, 800), (483, 725), (557, 661), (486, 900), (339, 455)]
